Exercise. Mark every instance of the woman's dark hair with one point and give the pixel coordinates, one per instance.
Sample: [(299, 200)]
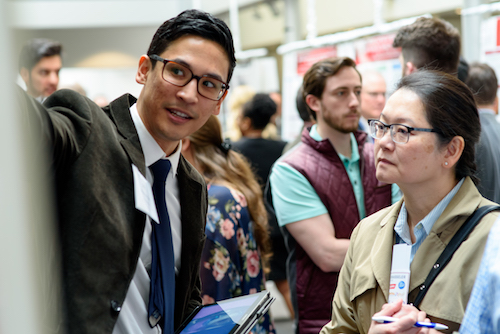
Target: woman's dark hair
[(450, 108), (197, 23)]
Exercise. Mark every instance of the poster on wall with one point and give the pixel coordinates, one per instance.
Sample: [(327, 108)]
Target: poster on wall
[(306, 58), (377, 53), (490, 43)]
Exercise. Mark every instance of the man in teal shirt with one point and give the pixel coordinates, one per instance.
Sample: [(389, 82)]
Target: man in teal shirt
[(323, 187)]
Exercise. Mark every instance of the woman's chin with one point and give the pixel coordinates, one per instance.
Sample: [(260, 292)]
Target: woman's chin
[(384, 177)]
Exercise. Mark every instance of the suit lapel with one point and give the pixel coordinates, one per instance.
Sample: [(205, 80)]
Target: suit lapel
[(193, 214), (190, 194), (119, 112)]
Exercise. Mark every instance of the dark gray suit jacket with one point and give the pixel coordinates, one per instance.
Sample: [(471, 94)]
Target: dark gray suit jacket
[(100, 230), (488, 157)]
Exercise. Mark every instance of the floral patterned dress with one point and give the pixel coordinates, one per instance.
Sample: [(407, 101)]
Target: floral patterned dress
[(230, 263)]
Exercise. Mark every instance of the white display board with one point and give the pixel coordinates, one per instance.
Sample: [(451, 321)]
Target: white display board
[(490, 43)]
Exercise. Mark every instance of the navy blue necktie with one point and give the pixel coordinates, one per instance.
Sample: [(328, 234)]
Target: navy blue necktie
[(162, 295)]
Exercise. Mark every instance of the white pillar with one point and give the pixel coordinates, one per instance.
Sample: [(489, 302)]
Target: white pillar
[(234, 22), (471, 32), (29, 281), (292, 21)]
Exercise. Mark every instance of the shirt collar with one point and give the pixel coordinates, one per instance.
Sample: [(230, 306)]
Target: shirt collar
[(486, 111), (354, 144), (152, 151), (402, 228)]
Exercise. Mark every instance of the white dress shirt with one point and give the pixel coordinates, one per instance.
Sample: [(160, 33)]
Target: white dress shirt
[(133, 318)]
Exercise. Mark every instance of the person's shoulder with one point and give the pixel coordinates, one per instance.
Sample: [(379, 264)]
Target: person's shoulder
[(188, 172), (379, 219), (277, 143), (67, 99), (295, 151)]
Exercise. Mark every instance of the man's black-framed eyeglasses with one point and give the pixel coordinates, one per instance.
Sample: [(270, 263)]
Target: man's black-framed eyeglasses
[(400, 133), (180, 75)]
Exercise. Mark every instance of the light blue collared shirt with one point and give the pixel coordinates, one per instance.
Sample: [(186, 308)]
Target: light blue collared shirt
[(482, 315), (423, 228)]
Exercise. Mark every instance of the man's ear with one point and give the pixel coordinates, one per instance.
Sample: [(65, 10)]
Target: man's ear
[(219, 104), (409, 68), (313, 102), (245, 124), (495, 105), (143, 70)]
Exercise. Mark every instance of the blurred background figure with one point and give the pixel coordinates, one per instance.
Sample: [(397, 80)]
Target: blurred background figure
[(39, 64), (101, 100), (273, 128), (481, 314), (237, 249), (463, 69), (305, 116), (373, 93), (429, 43), (238, 97), (76, 87), (255, 116), (483, 82)]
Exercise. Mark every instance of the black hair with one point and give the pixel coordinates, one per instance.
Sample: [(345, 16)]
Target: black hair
[(259, 110), (483, 83), (463, 69), (36, 49), (302, 107), (197, 23)]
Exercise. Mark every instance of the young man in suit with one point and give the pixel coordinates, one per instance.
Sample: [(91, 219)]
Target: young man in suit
[(105, 203)]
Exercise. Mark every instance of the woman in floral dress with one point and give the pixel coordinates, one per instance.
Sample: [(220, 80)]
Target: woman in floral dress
[(236, 251)]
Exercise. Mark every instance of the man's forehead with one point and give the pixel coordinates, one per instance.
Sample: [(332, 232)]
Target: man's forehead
[(344, 79), (50, 61), (190, 59)]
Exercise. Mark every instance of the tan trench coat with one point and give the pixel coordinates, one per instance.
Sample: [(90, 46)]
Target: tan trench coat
[(364, 278)]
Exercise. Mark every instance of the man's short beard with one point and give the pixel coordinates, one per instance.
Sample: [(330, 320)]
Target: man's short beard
[(340, 128)]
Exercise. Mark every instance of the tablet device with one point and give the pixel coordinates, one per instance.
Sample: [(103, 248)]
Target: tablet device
[(230, 316)]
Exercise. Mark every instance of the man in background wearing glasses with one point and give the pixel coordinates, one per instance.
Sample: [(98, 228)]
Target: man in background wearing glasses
[(104, 163), (323, 187)]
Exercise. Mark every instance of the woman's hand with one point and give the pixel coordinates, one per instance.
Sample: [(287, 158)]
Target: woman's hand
[(407, 315)]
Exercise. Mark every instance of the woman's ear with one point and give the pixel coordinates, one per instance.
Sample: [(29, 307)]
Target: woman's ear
[(454, 151)]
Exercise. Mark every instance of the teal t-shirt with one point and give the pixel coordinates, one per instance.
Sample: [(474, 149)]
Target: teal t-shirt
[(294, 198)]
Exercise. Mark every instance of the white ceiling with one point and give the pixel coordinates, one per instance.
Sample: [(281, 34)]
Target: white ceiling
[(60, 14)]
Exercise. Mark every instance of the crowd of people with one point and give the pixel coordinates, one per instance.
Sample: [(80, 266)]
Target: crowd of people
[(158, 213)]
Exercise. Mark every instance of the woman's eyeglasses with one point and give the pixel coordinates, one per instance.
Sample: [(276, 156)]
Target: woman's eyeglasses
[(399, 133)]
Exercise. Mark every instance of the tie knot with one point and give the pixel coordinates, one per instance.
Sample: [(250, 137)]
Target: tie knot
[(160, 170)]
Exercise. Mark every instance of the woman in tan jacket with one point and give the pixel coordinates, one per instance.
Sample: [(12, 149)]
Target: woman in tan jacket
[(424, 142)]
